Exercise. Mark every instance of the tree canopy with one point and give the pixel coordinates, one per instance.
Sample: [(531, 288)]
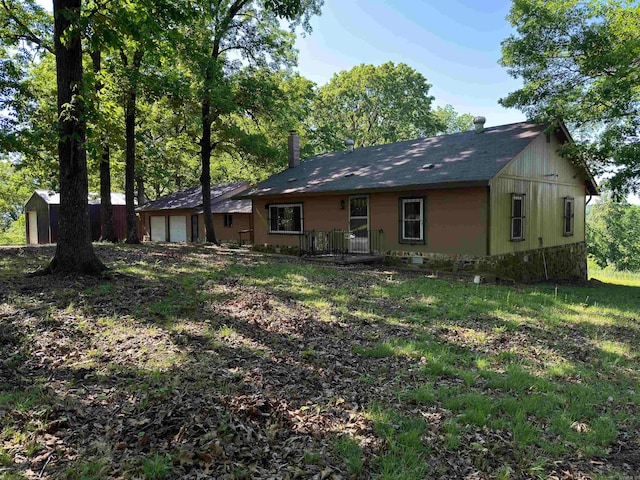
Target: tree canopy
[(16, 186), (231, 45), (613, 234), (451, 121), (372, 105), (579, 61)]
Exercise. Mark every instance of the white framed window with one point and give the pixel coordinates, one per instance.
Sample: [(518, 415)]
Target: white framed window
[(569, 213), (228, 220), (412, 220), (286, 218), (517, 216)]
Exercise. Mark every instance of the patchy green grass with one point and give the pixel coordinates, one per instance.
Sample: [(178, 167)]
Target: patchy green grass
[(156, 467), (198, 361), (92, 470), (351, 453), (405, 453), (613, 276)]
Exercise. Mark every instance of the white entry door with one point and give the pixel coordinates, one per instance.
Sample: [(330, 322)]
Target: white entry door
[(359, 224), (158, 229), (33, 227), (177, 228)]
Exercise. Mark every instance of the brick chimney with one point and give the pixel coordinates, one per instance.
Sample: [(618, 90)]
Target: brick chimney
[(294, 149)]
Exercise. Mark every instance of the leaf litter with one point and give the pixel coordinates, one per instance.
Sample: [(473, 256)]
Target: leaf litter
[(183, 353)]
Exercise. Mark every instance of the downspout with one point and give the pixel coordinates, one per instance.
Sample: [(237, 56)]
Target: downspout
[(584, 222)]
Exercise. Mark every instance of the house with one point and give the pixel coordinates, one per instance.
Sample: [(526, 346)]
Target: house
[(178, 217), (42, 212), (499, 200)]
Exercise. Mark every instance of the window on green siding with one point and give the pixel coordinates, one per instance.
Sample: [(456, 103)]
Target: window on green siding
[(517, 216), (569, 213)]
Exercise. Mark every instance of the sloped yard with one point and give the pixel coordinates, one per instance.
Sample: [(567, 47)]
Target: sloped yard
[(187, 362)]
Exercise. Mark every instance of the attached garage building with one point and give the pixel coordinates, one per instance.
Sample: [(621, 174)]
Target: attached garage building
[(168, 228), (179, 216)]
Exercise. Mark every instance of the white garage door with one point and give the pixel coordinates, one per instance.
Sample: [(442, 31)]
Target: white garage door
[(177, 228), (158, 230)]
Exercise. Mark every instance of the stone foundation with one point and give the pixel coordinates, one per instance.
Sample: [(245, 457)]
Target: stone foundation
[(283, 249), (565, 262)]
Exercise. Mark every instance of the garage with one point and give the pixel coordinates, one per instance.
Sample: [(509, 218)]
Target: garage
[(177, 228), (158, 229)]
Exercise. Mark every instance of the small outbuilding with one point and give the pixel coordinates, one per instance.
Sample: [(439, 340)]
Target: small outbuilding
[(42, 211), (179, 216)]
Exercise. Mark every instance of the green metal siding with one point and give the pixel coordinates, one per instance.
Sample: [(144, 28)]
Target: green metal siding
[(545, 178)]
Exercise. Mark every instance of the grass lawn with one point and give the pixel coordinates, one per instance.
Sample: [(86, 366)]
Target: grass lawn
[(192, 362)]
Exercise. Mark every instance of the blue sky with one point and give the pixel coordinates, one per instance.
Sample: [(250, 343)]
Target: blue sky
[(455, 44)]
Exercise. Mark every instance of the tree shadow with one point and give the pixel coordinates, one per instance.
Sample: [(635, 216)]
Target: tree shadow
[(252, 395), (240, 365)]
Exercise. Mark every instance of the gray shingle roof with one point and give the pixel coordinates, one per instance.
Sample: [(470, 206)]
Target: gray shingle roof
[(229, 206), (459, 158), (192, 198), (232, 206)]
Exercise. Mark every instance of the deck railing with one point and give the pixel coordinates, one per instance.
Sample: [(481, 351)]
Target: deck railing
[(341, 242)]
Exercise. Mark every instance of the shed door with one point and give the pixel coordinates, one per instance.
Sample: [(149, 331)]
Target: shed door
[(33, 227), (177, 228), (158, 229)]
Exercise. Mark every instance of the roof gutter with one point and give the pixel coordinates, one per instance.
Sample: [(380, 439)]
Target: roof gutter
[(398, 188)]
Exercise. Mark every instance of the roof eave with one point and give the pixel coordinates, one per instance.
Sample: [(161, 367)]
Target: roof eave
[(395, 188), (592, 185)]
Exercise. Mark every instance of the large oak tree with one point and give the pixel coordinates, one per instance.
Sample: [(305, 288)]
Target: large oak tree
[(231, 37), (579, 60), (74, 250)]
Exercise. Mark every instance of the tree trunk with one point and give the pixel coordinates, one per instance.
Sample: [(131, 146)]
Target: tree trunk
[(142, 198), (74, 250), (130, 149), (205, 149), (106, 209)]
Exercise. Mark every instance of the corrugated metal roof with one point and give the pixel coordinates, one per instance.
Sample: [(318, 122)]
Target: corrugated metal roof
[(49, 196), (53, 198), (117, 198), (192, 197), (459, 158)]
